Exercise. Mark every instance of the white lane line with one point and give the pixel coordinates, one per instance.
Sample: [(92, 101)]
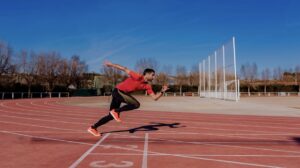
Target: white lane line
[(45, 115), (48, 132), (196, 155), (214, 144), (77, 162), (167, 131), (227, 123), (176, 141), (37, 119), (56, 102), (33, 125), (150, 152), (233, 134), (45, 110), (47, 138), (207, 128), (80, 123), (145, 154), (202, 158)]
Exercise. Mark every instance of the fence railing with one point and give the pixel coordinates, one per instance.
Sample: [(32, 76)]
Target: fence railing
[(23, 95), (268, 94), (182, 94), (242, 94)]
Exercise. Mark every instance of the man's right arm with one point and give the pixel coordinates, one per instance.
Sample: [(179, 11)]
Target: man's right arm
[(160, 94), (122, 68)]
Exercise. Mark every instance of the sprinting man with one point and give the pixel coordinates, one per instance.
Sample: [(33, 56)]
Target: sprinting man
[(121, 94)]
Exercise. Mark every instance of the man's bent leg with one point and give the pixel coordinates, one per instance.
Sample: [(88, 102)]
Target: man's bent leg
[(103, 121), (132, 103), (127, 107), (115, 103)]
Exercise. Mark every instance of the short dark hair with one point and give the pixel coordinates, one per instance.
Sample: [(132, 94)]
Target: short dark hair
[(148, 70)]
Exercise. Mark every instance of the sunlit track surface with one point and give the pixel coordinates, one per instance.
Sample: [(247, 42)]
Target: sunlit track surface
[(52, 133)]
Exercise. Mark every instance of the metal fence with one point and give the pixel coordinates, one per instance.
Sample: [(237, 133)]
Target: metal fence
[(217, 74), (269, 94), (22, 95), (181, 94)]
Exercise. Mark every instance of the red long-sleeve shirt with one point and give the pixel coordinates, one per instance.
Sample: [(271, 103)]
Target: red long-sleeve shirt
[(134, 82)]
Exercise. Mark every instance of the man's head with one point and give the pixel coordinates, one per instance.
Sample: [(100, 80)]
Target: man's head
[(149, 74)]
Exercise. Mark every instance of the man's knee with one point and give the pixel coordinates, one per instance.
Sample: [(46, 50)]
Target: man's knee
[(137, 105)]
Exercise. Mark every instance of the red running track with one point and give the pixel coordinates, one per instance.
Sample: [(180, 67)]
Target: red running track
[(52, 133)]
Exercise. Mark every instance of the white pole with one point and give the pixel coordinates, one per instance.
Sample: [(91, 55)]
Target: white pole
[(234, 60), (238, 81), (216, 77), (200, 75), (209, 76), (204, 76), (224, 80)]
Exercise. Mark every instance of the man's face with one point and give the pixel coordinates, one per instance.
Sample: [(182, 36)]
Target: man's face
[(150, 76)]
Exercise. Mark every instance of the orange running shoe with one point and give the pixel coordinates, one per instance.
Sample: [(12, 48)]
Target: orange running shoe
[(115, 115), (93, 131)]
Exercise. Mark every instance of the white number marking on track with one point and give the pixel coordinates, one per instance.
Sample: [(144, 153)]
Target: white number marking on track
[(102, 163)]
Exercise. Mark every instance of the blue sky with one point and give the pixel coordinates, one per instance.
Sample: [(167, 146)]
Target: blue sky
[(175, 32)]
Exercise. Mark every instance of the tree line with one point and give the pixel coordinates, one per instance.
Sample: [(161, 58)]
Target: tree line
[(49, 71), (268, 80), (44, 71)]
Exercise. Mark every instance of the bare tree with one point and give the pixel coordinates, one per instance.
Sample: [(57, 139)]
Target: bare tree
[(266, 76), (297, 76), (194, 76), (77, 69), (168, 69), (48, 69), (277, 73), (181, 77), (41, 68), (28, 68), (64, 71), (71, 72), (163, 77), (112, 75), (249, 74), (52, 72), (6, 65), (144, 63)]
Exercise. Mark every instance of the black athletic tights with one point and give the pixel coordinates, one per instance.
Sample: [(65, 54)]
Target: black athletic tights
[(118, 97)]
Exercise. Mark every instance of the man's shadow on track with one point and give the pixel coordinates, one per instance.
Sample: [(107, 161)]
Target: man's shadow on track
[(297, 140), (152, 127)]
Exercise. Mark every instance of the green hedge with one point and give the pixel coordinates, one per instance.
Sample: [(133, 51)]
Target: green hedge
[(84, 92), (17, 87), (271, 88)]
